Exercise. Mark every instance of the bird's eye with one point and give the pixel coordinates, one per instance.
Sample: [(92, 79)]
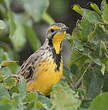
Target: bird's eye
[(52, 30)]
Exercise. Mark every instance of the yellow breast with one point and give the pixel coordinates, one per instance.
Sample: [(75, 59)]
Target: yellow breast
[(46, 76)]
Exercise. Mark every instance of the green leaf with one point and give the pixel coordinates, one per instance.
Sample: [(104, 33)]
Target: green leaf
[(77, 44), (94, 58), (17, 99), (77, 58), (6, 107), (93, 81), (64, 98), (3, 27), (100, 102), (4, 92), (12, 65), (83, 109), (8, 2), (31, 106), (33, 39), (2, 76), (32, 96), (91, 16), (22, 88), (78, 64), (1, 1), (10, 82), (5, 100), (95, 7), (1, 54), (14, 68), (46, 17), (105, 11), (105, 28), (78, 9), (103, 69), (85, 28), (105, 87), (18, 37), (3, 11), (68, 75), (44, 102), (6, 63), (99, 35), (5, 71), (12, 25), (35, 8), (17, 34)]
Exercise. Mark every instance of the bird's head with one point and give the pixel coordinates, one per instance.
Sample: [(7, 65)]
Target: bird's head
[(56, 33)]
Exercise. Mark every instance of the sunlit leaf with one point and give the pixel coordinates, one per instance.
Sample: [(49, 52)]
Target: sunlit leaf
[(100, 102), (95, 7), (5, 100), (10, 82), (78, 9), (105, 11), (6, 63)]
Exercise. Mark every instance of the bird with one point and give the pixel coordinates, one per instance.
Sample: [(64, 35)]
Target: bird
[(44, 68)]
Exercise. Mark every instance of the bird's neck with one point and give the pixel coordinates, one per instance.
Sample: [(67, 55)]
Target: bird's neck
[(55, 46), (56, 56)]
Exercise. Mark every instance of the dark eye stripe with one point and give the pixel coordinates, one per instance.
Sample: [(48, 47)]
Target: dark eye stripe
[(52, 30)]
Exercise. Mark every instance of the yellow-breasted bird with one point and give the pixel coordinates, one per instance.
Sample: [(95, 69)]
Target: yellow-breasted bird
[(44, 67)]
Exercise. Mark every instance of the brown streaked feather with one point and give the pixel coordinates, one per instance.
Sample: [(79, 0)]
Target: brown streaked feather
[(28, 68)]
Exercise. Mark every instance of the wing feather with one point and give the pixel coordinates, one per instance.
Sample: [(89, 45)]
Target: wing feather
[(28, 69)]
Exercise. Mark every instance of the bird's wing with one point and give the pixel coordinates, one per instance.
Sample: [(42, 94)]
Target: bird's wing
[(28, 69)]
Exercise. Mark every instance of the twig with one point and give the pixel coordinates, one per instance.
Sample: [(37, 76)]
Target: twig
[(79, 81), (52, 106)]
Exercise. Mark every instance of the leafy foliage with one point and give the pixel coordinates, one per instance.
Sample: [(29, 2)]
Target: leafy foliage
[(85, 78)]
